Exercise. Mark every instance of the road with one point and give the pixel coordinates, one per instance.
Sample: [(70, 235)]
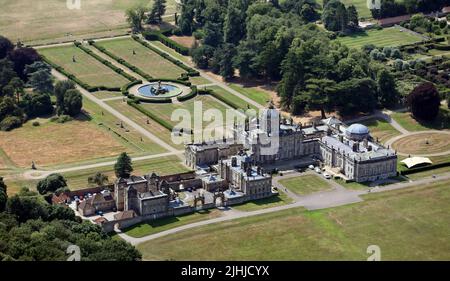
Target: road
[(315, 201)]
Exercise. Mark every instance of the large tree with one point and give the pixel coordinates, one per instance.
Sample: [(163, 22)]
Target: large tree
[(73, 102), (334, 16), (388, 94), (61, 88), (21, 57), (135, 17), (51, 183), (157, 11), (123, 166), (41, 81), (424, 101), (5, 47)]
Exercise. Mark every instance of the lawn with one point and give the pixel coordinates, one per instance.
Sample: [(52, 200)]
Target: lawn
[(260, 96), (380, 129), (232, 98), (30, 20), (407, 121), (152, 227), (306, 184), (423, 143), (85, 67), (274, 201), (360, 5), (170, 51), (409, 224), (391, 37), (145, 122), (52, 143), (128, 136), (107, 94), (144, 58)]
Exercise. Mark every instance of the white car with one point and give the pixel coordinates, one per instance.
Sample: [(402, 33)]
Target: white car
[(311, 167), (327, 176), (317, 169)]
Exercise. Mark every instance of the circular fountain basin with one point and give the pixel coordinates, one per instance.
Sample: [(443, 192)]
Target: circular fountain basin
[(171, 90)]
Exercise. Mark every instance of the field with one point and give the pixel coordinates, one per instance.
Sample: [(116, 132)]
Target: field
[(423, 143), (411, 124), (281, 199), (107, 94), (307, 184), (406, 224), (391, 37), (170, 51), (159, 225), (141, 119), (86, 68), (52, 143), (381, 129), (260, 96), (31, 20), (232, 98), (144, 58), (360, 5)]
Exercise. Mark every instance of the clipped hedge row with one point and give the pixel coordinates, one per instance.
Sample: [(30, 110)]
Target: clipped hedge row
[(158, 36), (150, 114), (126, 87), (425, 168), (122, 61), (221, 98), (189, 96), (186, 83), (106, 62), (441, 47), (190, 71)]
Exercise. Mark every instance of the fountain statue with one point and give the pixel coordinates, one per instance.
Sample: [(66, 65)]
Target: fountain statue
[(158, 91)]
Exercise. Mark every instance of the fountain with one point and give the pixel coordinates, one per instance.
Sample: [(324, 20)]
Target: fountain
[(159, 89)]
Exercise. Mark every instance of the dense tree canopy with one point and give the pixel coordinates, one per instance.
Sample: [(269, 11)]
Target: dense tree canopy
[(425, 101), (123, 166), (51, 183)]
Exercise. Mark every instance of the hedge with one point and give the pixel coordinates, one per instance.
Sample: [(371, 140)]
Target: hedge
[(106, 62), (186, 83), (425, 168), (191, 95), (122, 61), (126, 87), (159, 36), (190, 71), (151, 115), (221, 98)]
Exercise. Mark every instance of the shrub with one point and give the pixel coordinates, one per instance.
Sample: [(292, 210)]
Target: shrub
[(36, 124), (9, 123), (61, 119)]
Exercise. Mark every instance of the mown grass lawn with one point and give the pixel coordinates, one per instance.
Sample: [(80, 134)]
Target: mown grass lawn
[(242, 104), (305, 184), (380, 129), (360, 5), (253, 93), (85, 67), (144, 58), (409, 224), (152, 227), (407, 121), (274, 201), (391, 37)]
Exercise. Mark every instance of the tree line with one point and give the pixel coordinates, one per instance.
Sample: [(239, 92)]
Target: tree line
[(393, 8), (26, 87)]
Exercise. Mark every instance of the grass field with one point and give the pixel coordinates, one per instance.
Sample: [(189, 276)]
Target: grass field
[(360, 5), (381, 129), (52, 143), (260, 96), (145, 59), (391, 37), (129, 137), (30, 20), (407, 224), (232, 98), (274, 201), (306, 184), (159, 225), (411, 124), (423, 143), (107, 94), (141, 119), (86, 68), (170, 51)]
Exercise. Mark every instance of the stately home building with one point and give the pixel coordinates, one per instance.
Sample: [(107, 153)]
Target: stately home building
[(144, 195), (348, 151), (241, 175)]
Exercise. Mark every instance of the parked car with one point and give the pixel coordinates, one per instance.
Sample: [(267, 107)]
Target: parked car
[(311, 167), (317, 169), (327, 176)]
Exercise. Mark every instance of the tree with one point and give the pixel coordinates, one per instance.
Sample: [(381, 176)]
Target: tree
[(123, 166), (73, 102), (21, 57), (424, 101), (187, 16), (3, 195), (98, 179), (353, 15), (202, 55), (5, 47), (135, 17), (157, 11), (318, 95), (234, 29), (61, 88), (51, 183), (37, 104), (41, 81), (334, 16), (388, 94)]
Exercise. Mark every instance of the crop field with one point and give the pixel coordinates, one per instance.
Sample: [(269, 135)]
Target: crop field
[(54, 20), (85, 67), (143, 58), (391, 37), (341, 233)]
